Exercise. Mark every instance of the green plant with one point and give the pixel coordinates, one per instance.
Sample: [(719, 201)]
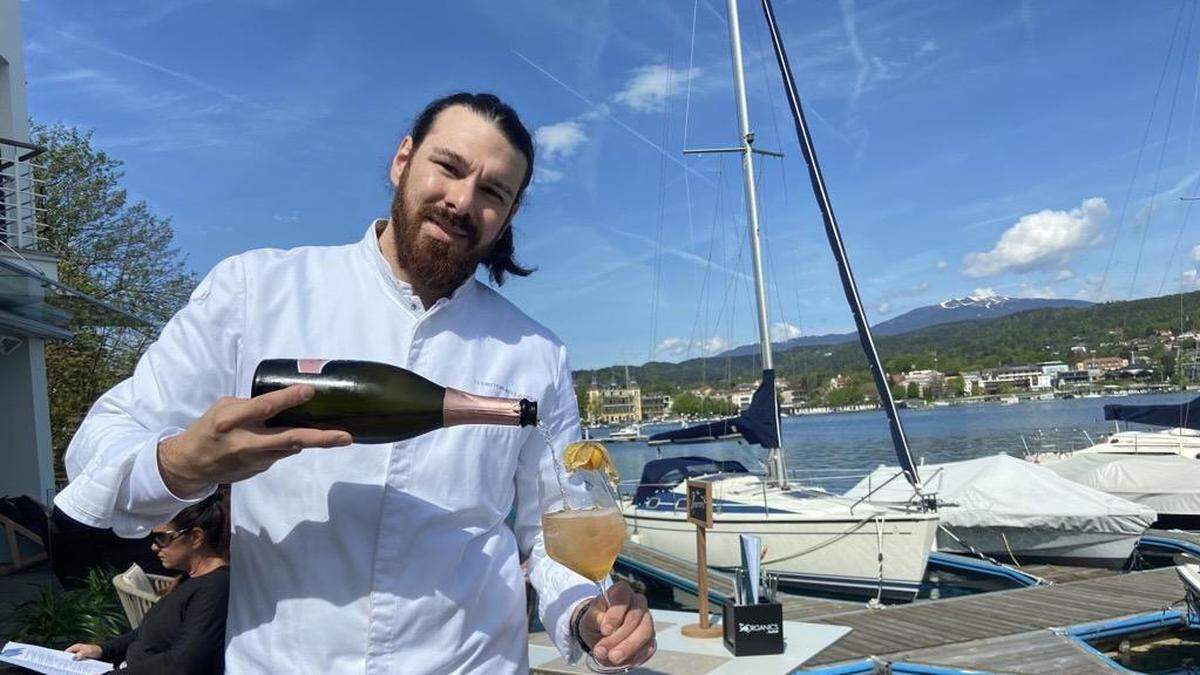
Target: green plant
[(58, 618)]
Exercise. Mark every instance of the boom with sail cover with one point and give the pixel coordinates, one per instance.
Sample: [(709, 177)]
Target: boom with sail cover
[(1186, 414), (758, 424), (899, 440)]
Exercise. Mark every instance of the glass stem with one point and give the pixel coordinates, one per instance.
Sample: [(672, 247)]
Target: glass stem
[(603, 596)]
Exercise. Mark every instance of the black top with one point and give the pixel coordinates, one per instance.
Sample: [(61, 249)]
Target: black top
[(184, 632)]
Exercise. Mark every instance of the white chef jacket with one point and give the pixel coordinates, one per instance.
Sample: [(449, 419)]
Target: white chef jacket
[(366, 558)]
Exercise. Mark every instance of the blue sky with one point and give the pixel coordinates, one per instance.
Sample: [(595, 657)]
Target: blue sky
[(1027, 148)]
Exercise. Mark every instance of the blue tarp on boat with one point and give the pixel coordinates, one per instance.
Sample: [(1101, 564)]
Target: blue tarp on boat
[(1186, 414), (665, 474)]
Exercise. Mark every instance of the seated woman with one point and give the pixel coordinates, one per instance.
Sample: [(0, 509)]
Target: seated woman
[(184, 632)]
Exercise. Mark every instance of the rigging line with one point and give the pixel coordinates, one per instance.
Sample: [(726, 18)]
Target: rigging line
[(705, 299), (708, 307), (776, 287), (708, 270), (658, 247), (1187, 157), (687, 115), (773, 285), (1187, 214), (1162, 153), (1137, 164), (607, 114), (762, 71)]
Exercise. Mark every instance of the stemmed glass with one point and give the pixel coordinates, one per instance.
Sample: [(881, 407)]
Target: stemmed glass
[(584, 529)]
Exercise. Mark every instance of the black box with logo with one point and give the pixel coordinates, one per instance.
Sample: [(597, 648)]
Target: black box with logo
[(752, 630)]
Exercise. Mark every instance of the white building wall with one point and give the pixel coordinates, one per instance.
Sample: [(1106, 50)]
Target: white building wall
[(25, 456), (25, 419), (14, 116)]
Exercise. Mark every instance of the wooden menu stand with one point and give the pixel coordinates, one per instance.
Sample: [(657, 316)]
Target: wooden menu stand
[(699, 510)]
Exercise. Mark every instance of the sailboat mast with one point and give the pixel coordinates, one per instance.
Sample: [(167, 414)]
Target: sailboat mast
[(747, 141), (899, 440), (775, 462)]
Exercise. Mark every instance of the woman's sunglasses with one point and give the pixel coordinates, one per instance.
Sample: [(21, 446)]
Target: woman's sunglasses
[(164, 539)]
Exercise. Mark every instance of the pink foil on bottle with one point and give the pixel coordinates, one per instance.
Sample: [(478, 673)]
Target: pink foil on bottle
[(310, 366), (459, 407)]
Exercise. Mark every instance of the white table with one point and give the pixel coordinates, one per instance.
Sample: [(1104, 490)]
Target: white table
[(679, 654)]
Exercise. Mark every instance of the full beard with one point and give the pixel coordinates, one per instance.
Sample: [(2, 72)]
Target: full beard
[(431, 263)]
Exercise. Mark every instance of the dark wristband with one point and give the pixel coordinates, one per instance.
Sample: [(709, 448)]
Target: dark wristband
[(577, 630)]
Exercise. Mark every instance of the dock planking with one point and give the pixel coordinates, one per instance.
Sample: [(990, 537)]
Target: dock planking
[(924, 628), (1039, 652), (1001, 631)]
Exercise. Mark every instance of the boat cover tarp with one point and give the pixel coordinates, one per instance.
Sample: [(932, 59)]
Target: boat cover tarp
[(1003, 491), (758, 424), (709, 431), (1185, 414), (1165, 483), (664, 474)]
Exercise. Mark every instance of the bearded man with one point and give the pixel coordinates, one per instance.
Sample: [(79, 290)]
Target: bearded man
[(349, 558)]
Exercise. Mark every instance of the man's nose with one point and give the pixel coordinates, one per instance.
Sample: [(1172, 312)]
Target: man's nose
[(460, 195)]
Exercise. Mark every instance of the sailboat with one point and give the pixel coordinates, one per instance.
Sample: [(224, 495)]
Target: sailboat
[(812, 539)]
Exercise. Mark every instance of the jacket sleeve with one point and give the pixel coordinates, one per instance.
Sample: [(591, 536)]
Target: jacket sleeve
[(114, 650), (112, 461), (559, 589)]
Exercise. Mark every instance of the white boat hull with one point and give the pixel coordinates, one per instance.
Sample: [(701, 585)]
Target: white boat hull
[(832, 554)]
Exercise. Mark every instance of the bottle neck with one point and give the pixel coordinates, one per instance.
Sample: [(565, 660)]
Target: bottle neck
[(459, 407)]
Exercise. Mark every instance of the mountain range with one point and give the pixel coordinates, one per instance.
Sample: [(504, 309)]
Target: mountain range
[(968, 308)]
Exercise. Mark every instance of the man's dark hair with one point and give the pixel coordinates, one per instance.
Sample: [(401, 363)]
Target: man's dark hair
[(499, 260)]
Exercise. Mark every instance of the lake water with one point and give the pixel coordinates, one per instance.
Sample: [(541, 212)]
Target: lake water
[(834, 451)]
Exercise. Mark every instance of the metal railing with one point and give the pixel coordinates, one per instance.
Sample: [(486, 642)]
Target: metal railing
[(22, 195)]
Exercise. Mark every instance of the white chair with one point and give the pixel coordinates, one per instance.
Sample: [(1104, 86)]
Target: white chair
[(137, 591)]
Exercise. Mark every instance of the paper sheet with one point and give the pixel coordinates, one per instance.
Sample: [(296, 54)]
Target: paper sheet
[(50, 661)]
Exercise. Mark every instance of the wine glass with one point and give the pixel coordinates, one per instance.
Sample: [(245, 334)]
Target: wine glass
[(583, 528)]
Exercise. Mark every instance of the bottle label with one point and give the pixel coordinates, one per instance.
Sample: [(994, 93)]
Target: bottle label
[(310, 366)]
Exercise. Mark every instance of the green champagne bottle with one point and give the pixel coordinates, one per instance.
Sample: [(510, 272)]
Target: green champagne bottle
[(378, 402)]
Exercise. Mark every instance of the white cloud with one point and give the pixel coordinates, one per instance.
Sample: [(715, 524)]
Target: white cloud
[(1189, 278), (292, 217), (1041, 239), (884, 307), (1090, 290), (942, 264), (69, 76), (927, 47), (1034, 291), (982, 293), (1196, 254), (1063, 275), (559, 140), (650, 86), (678, 348), (543, 175), (784, 331), (672, 347)]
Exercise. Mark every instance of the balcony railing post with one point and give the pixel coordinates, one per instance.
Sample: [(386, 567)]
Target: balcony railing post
[(20, 195)]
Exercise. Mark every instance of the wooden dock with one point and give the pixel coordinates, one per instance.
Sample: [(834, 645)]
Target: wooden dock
[(1002, 631), (944, 630)]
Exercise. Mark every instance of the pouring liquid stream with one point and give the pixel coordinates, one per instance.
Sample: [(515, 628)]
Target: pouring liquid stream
[(558, 470)]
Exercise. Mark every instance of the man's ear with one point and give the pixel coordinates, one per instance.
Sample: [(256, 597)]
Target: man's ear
[(195, 537), (403, 154)]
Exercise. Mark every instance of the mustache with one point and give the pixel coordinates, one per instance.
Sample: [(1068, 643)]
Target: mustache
[(461, 221)]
